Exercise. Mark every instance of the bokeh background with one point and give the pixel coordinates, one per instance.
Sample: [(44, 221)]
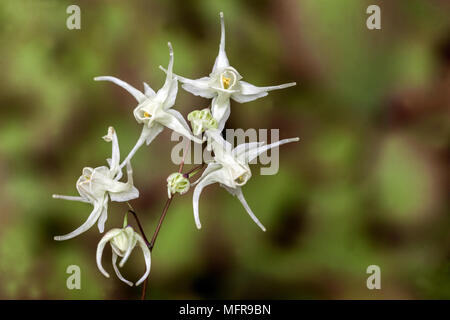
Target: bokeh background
[(366, 185)]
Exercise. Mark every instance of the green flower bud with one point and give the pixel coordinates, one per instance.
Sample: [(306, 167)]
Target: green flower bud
[(177, 183), (202, 120)]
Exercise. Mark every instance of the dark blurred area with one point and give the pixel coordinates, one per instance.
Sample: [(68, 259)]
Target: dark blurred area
[(366, 185)]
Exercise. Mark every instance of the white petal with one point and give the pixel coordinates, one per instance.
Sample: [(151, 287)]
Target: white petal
[(240, 151), (180, 118), (172, 122), (93, 217), (213, 166), (168, 92), (71, 198), (221, 147), (253, 153), (153, 132), (242, 98), (248, 89), (130, 193), (198, 87), (147, 257), (221, 60), (115, 152), (119, 275), (250, 92), (139, 96), (149, 92), (220, 110), (238, 193), (101, 246), (207, 180), (147, 135), (128, 252), (171, 95), (127, 195), (103, 216), (210, 168)]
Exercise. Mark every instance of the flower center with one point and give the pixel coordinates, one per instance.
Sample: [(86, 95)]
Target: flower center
[(147, 115), (240, 179), (226, 82)]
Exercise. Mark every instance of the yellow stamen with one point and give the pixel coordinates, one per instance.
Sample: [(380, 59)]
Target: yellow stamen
[(147, 115), (240, 179), (226, 82)]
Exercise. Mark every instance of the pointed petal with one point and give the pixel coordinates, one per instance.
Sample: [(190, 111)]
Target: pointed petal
[(249, 89), (250, 92), (198, 87), (221, 60), (255, 152), (101, 246), (145, 134), (242, 98), (171, 95), (238, 193), (220, 110), (207, 180), (147, 257), (180, 118), (115, 152), (103, 216), (130, 193), (152, 132), (149, 92), (168, 92), (70, 198), (139, 96), (128, 252), (172, 122), (119, 275), (209, 169), (93, 217), (240, 150), (218, 144)]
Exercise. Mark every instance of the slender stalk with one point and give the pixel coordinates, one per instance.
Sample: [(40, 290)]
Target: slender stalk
[(158, 227), (194, 169), (151, 244), (131, 210)]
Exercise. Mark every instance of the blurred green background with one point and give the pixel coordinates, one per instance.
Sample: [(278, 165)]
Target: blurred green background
[(367, 183)]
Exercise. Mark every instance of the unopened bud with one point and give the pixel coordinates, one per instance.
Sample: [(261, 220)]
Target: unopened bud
[(177, 183)]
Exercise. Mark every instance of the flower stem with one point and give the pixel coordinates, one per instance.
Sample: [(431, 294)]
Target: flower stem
[(158, 227), (151, 244), (131, 210), (193, 170)]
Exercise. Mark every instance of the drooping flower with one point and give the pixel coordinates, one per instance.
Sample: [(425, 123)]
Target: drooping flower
[(224, 82), (122, 242), (202, 120), (230, 169), (97, 185), (177, 183), (154, 110)]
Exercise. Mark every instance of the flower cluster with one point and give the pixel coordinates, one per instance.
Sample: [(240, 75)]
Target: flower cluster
[(229, 166)]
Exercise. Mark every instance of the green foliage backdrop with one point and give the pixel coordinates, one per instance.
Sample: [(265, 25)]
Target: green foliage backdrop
[(365, 185)]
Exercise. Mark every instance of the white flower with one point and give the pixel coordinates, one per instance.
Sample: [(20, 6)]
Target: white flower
[(223, 83), (230, 169), (154, 109), (122, 242), (202, 120), (96, 185), (177, 183)]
